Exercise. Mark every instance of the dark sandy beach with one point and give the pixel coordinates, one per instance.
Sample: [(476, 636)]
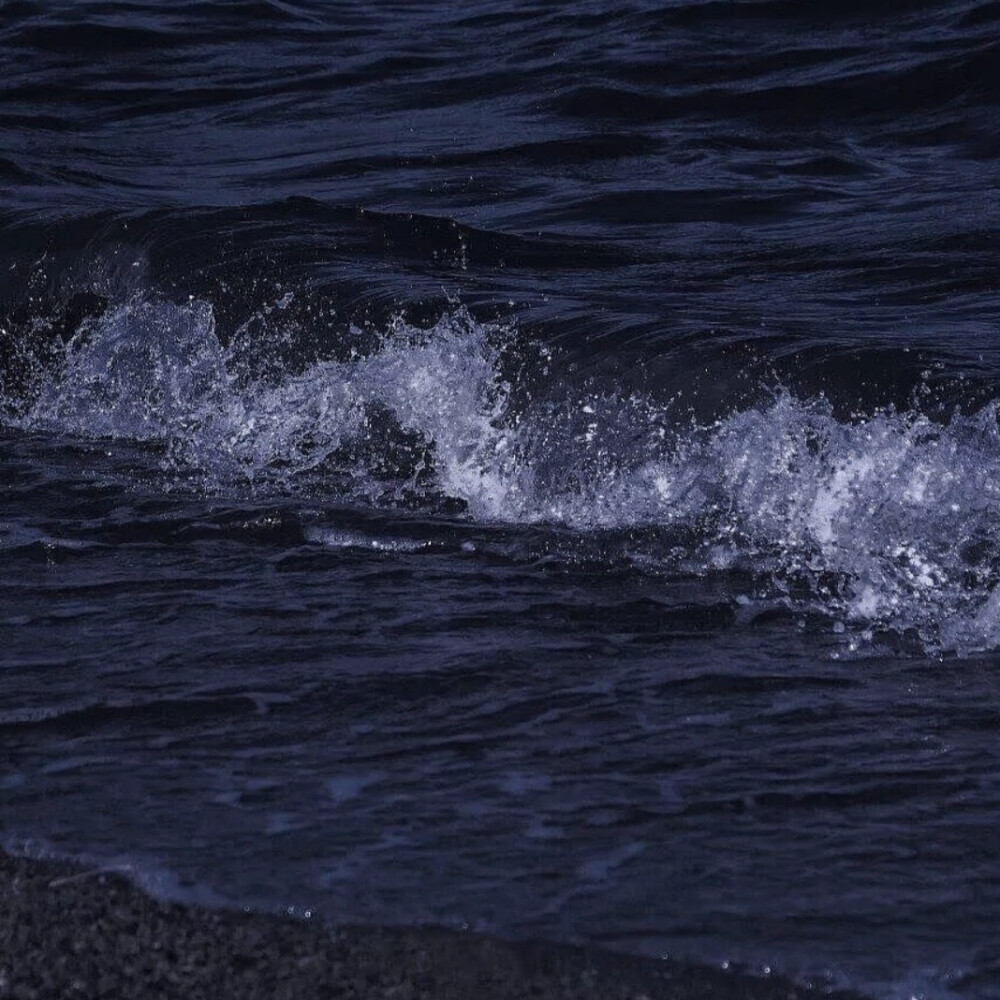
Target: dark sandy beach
[(72, 932)]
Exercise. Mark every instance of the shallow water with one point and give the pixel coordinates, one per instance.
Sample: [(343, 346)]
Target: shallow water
[(532, 468)]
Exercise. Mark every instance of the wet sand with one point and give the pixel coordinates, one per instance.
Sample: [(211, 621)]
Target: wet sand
[(73, 932)]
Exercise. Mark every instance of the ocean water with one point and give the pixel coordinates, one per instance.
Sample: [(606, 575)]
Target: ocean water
[(524, 466)]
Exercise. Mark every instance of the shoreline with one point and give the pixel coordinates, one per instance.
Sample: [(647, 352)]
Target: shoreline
[(69, 931)]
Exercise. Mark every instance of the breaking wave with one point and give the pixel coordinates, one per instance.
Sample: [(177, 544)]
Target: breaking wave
[(886, 523)]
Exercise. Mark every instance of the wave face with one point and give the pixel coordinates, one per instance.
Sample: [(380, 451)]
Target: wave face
[(532, 467), (883, 523)]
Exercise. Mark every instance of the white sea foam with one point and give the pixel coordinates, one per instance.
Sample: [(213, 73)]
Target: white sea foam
[(338, 538), (888, 521)]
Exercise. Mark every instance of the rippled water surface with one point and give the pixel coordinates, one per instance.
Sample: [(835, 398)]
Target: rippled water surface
[(526, 466)]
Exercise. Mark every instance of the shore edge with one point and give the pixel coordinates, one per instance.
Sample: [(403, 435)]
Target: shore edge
[(68, 931)]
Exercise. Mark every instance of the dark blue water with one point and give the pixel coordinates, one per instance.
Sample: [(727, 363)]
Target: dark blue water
[(525, 466)]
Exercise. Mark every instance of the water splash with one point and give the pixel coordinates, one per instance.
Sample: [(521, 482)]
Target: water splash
[(884, 524)]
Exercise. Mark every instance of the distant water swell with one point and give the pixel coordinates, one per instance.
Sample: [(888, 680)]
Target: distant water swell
[(230, 78), (882, 522)]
